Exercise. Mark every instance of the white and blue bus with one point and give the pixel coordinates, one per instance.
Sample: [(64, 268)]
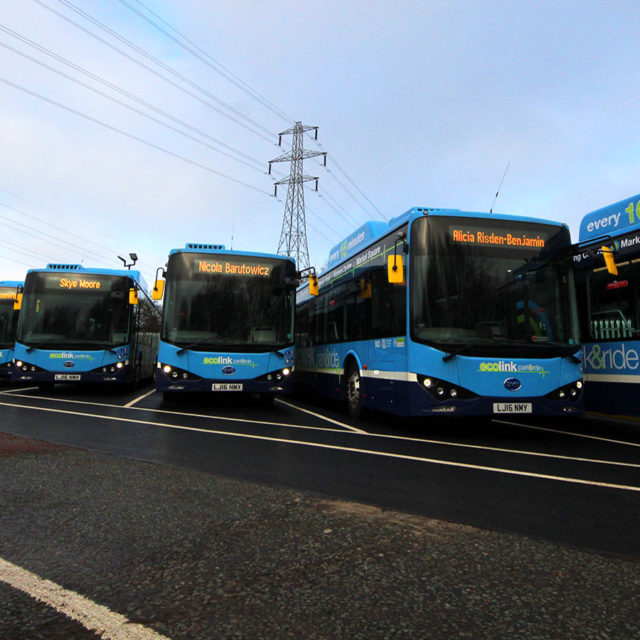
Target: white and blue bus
[(610, 307), (79, 324), (9, 290), (445, 312), (227, 322)]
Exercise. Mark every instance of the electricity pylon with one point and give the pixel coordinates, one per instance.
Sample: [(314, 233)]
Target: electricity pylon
[(293, 237)]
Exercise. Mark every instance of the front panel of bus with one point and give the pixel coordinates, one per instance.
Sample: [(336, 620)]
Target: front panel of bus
[(492, 318), (610, 325), (74, 327), (227, 323), (8, 327)]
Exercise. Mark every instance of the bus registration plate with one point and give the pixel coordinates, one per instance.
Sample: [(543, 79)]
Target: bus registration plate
[(66, 376), (226, 386), (512, 407)]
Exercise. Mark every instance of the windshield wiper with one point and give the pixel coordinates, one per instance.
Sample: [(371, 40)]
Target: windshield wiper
[(455, 352), (191, 346), (561, 351)]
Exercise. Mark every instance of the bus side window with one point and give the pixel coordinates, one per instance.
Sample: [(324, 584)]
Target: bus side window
[(613, 307)]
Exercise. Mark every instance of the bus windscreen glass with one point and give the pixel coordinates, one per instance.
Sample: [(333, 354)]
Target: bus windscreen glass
[(480, 283), (229, 302), (8, 317), (68, 310)]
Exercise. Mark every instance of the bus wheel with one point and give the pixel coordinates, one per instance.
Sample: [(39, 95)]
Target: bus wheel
[(354, 398)]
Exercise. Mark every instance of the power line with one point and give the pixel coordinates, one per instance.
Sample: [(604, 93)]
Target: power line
[(207, 59), (159, 75), (130, 135), (118, 89), (127, 106), (59, 215), (195, 50)]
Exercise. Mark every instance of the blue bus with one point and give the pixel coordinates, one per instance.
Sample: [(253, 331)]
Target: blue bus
[(609, 306), (79, 324), (9, 290), (445, 312), (227, 322)]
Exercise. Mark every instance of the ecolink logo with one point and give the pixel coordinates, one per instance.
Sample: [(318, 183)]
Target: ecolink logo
[(512, 384)]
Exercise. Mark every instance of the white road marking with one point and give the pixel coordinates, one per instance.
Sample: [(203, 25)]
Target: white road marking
[(569, 433), (447, 443), (18, 389), (383, 454), (92, 616), (181, 413), (142, 397), (318, 415)]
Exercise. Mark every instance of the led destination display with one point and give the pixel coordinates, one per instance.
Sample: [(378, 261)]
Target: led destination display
[(231, 268), (7, 293), (76, 283), (492, 237)]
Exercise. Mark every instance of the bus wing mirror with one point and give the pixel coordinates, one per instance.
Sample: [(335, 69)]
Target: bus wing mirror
[(17, 303), (609, 260), (395, 269), (158, 290), (313, 285), (133, 296)]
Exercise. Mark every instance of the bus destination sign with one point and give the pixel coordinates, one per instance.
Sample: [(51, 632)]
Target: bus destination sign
[(230, 268), (7, 293), (493, 237)]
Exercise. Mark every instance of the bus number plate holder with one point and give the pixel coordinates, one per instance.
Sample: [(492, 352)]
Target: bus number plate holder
[(227, 386), (67, 376), (512, 407)]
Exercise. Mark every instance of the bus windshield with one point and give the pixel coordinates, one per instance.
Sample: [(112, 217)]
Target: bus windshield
[(481, 284), (229, 303), (68, 310), (8, 317)]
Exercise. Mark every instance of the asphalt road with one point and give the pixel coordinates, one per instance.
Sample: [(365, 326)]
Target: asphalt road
[(292, 521)]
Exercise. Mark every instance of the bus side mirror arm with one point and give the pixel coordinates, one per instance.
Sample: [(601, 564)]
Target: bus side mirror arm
[(395, 263), (17, 303), (313, 280), (158, 286)]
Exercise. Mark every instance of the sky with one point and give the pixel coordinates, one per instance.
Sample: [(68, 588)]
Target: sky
[(142, 125)]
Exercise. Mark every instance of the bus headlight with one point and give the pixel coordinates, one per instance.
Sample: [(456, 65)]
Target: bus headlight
[(166, 369), (571, 392), (442, 390), (286, 372), (19, 364)]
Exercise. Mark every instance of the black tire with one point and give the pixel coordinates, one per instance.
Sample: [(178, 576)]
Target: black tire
[(352, 391)]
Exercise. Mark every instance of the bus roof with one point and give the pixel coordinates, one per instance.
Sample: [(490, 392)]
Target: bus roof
[(611, 220), (372, 230), (197, 247), (11, 283), (136, 276)]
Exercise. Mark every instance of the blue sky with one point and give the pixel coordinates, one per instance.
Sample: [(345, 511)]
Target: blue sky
[(418, 104)]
